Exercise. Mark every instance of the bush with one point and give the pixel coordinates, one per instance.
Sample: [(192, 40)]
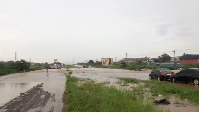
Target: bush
[(132, 67), (19, 66)]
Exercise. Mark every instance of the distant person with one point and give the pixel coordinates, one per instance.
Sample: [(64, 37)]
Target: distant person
[(47, 68)]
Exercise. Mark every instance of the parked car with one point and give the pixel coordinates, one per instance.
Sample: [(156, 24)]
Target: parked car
[(161, 74), (52, 67), (187, 76)]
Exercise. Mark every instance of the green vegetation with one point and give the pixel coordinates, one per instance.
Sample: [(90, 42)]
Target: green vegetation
[(130, 80), (92, 97), (33, 68), (164, 58), (167, 89), (18, 66), (88, 96)]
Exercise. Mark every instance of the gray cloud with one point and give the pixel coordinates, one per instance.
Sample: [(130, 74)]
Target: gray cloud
[(163, 30), (83, 30)]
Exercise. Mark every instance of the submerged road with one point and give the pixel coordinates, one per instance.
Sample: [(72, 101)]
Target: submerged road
[(48, 91)]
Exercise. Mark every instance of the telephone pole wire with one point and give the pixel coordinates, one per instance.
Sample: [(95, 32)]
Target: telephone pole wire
[(15, 56)]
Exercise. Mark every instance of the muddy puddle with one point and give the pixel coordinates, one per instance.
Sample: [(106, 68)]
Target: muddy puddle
[(101, 73), (53, 82), (10, 91)]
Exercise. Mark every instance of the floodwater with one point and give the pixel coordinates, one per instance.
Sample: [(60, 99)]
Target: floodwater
[(109, 76), (105, 73), (101, 75), (54, 82), (10, 91)]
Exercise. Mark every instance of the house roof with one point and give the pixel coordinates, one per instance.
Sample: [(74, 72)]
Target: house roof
[(189, 56)]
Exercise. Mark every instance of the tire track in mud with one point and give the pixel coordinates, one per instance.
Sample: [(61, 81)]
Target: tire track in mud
[(33, 100)]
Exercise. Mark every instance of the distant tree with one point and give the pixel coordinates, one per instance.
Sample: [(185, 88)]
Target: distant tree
[(24, 65), (2, 65), (123, 65), (91, 62), (10, 64), (164, 58), (46, 64), (138, 62), (98, 63)]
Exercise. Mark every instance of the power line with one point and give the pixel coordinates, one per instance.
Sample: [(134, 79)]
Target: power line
[(15, 56)]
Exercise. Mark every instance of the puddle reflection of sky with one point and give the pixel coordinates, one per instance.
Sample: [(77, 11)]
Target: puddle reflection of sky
[(9, 91)]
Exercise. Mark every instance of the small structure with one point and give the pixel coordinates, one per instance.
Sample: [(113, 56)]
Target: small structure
[(55, 60), (189, 59), (177, 59), (107, 61)]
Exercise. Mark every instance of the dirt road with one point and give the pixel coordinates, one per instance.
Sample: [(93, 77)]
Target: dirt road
[(33, 91)]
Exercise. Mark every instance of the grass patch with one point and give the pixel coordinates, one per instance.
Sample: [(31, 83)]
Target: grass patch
[(92, 97), (130, 80), (167, 89), (33, 68)]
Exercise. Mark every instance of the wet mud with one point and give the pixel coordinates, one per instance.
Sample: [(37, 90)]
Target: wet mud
[(178, 105), (11, 90), (34, 98), (51, 92)]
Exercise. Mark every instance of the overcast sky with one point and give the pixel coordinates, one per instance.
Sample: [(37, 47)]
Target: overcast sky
[(65, 29)]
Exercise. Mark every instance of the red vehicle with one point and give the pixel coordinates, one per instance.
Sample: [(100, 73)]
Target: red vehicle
[(58, 67)]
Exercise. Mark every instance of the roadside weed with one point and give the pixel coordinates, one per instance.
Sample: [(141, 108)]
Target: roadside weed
[(94, 97)]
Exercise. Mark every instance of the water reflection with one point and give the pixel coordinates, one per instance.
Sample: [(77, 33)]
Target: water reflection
[(10, 91)]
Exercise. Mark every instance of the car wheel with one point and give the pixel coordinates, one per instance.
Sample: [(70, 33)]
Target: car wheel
[(173, 80), (196, 81)]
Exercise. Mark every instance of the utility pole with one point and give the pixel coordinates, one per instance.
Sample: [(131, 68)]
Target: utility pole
[(174, 56), (126, 54), (15, 56), (73, 61)]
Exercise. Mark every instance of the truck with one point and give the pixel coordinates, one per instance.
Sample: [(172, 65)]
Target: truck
[(58, 65)]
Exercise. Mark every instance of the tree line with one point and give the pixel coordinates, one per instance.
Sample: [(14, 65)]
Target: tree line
[(16, 67)]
